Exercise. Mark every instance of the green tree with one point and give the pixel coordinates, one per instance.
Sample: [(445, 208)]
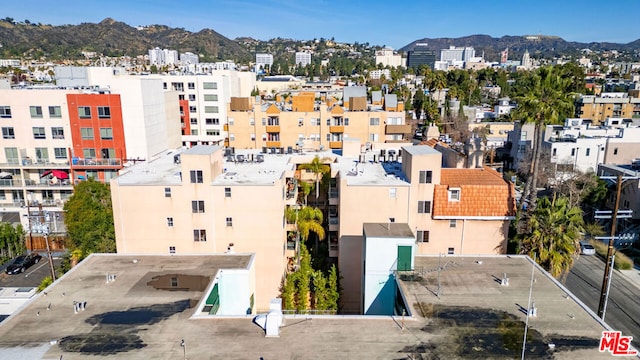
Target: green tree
[(11, 240), (556, 228), (320, 291), (89, 218), (333, 285), (288, 291), (318, 167), (303, 283)]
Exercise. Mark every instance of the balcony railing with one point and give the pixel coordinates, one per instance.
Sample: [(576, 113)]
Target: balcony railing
[(333, 193), (79, 162), (34, 183)]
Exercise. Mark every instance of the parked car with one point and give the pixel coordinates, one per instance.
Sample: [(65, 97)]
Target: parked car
[(22, 263), (586, 248)]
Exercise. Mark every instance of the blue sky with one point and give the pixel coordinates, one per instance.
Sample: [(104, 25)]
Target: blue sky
[(378, 22)]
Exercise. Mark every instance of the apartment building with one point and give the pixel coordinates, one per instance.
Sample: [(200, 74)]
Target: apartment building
[(607, 105), (209, 199), (303, 58), (306, 123), (388, 57)]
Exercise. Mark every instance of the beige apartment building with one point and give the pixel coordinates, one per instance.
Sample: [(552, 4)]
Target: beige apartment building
[(301, 122), (212, 200), (608, 105)]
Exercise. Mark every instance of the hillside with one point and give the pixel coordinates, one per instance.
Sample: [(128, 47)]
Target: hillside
[(538, 45), (111, 38)]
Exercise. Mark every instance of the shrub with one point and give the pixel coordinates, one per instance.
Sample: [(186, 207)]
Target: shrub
[(622, 261)]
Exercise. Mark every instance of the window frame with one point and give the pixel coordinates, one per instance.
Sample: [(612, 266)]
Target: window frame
[(197, 206), (169, 221), (167, 192), (196, 176), (229, 221), (454, 194), (199, 235), (424, 207), (421, 235), (425, 177), (85, 113), (53, 113), (62, 151), (37, 114), (104, 112), (41, 133), (87, 133), (227, 192), (10, 132), (108, 133)]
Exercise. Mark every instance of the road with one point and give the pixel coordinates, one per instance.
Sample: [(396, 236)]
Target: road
[(623, 312), (32, 277)]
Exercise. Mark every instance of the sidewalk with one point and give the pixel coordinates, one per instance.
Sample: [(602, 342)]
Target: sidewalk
[(632, 275)]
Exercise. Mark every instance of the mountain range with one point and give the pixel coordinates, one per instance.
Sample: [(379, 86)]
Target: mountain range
[(114, 38)]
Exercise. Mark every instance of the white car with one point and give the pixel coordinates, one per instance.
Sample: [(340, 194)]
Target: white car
[(586, 248)]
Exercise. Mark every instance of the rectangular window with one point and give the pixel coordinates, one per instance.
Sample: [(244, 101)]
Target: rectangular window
[(573, 152), (328, 137), (55, 112), (232, 137), (210, 97), (181, 97), (193, 109), (167, 192), (42, 155), (209, 85), (172, 249), (422, 236), (5, 112), (426, 176), (197, 206), (587, 152), (36, 111), (194, 131), (192, 97), (373, 137), (199, 235), (211, 109), (230, 121), (374, 121), (89, 153), (57, 133), (346, 121), (191, 86), (424, 207), (454, 194), (108, 153), (229, 221), (60, 153), (193, 121), (84, 112), (453, 223), (8, 133), (104, 112), (86, 133), (554, 152), (196, 176), (106, 133), (450, 251), (11, 154), (212, 121), (523, 136), (227, 192), (252, 121), (38, 133), (170, 222), (615, 151), (177, 86)]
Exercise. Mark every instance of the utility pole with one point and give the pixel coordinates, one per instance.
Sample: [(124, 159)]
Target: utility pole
[(607, 268)]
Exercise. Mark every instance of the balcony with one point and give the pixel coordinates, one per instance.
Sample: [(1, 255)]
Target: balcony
[(271, 144), (80, 163), (333, 196), (35, 164), (336, 129), (397, 129), (334, 223), (9, 183), (335, 144), (273, 128)]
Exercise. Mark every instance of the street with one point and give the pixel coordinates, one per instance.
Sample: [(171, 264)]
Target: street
[(622, 312)]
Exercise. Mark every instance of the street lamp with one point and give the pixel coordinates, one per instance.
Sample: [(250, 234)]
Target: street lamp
[(184, 349)]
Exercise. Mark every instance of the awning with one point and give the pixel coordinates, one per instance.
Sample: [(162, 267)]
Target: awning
[(5, 175), (60, 174)]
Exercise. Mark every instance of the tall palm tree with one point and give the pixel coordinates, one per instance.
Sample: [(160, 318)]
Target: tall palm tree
[(318, 167), (556, 228)]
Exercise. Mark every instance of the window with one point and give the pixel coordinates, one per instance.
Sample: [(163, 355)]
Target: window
[(174, 282), (89, 153), (38, 133), (328, 122), (108, 153), (191, 86), (192, 97), (227, 192), (199, 235), (193, 121), (106, 133), (196, 176), (57, 133), (211, 109), (5, 112), (523, 136), (252, 121), (209, 85), (453, 223), (373, 137), (425, 176), (172, 249), (232, 137), (374, 121), (328, 137), (104, 112), (210, 97), (197, 206), (60, 153), (230, 121), (424, 207), (170, 222), (615, 151), (454, 194), (193, 109), (451, 251), (180, 96), (253, 137), (212, 121), (86, 133), (554, 152), (573, 152), (167, 192), (177, 86), (11, 154), (393, 192), (422, 236), (42, 155), (587, 152), (84, 112), (36, 111), (194, 131), (229, 221), (392, 220), (346, 121), (7, 133), (55, 112)]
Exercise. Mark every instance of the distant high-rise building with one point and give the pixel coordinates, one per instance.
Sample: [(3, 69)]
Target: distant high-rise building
[(457, 54), (386, 57), (159, 56), (526, 60), (303, 58), (264, 59), (189, 58), (421, 55), (504, 56)]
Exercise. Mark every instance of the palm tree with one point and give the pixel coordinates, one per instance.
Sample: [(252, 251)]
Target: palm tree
[(556, 228), (318, 167)]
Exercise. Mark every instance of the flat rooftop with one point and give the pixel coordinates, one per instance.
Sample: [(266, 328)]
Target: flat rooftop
[(473, 317)]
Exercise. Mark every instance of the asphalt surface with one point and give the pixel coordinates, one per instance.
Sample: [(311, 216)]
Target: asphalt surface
[(32, 277), (622, 312)]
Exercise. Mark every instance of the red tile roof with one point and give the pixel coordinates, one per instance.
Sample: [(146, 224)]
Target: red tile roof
[(483, 193)]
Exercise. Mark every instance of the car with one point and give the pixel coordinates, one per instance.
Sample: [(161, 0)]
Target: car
[(22, 263), (586, 248)]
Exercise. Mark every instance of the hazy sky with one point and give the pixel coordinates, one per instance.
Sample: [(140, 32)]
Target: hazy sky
[(378, 22)]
